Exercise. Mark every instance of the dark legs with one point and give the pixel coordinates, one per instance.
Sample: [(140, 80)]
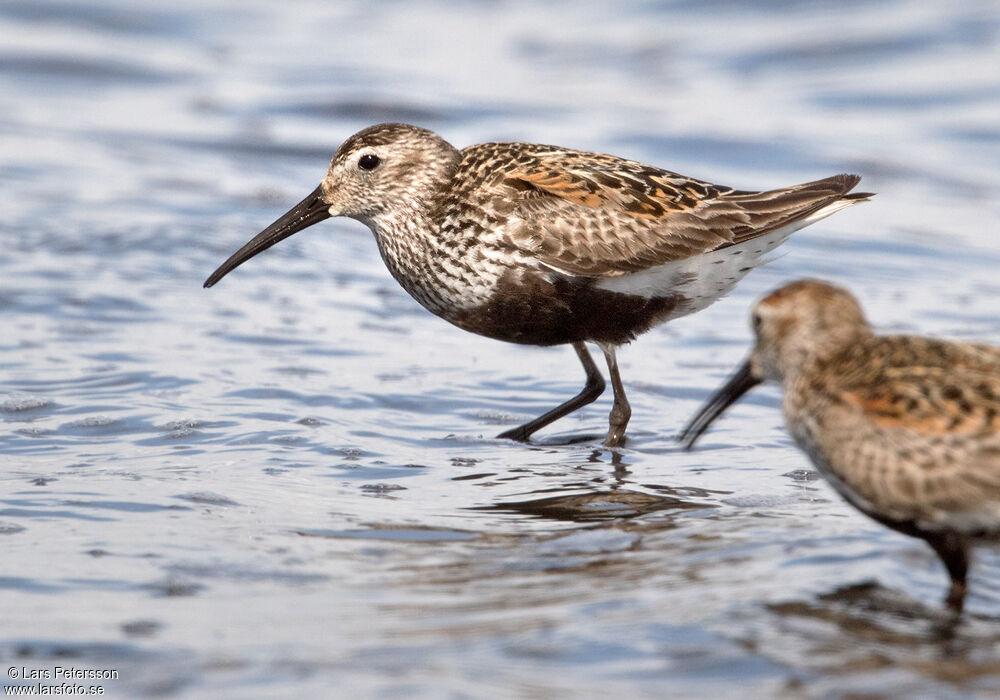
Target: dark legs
[(591, 390), (953, 550), (621, 411)]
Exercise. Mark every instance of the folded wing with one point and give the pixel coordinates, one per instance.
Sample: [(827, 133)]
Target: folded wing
[(601, 216), (924, 437)]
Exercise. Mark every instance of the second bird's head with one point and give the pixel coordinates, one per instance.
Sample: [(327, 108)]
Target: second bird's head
[(799, 323)]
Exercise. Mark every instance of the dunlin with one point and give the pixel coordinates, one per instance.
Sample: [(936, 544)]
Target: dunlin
[(906, 429), (544, 245)]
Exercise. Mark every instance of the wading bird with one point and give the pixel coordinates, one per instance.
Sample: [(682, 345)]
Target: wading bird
[(546, 246)]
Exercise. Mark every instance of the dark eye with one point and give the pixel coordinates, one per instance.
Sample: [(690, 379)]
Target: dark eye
[(369, 161), (756, 321)]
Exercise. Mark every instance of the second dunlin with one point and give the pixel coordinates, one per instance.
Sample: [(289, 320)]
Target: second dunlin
[(906, 428)]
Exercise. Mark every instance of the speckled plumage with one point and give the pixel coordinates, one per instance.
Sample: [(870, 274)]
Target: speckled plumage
[(906, 428), (544, 245)]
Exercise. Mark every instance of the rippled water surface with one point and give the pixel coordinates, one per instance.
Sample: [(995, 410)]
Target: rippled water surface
[(288, 485)]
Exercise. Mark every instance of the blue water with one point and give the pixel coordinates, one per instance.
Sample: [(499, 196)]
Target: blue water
[(287, 485)]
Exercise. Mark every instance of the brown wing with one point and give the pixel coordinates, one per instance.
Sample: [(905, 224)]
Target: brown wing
[(599, 216), (932, 401), (922, 440), (929, 386)]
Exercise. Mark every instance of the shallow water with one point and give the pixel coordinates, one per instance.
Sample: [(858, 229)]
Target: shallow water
[(288, 484)]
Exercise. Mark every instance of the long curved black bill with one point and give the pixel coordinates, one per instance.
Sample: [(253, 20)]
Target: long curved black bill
[(309, 211), (740, 383)]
